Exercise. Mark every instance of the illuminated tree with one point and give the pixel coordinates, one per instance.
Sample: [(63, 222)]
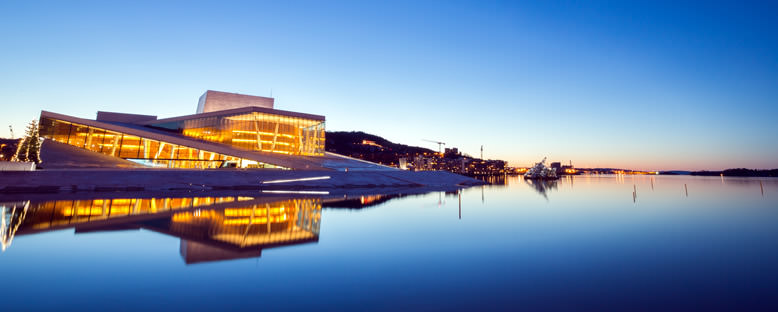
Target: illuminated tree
[(30, 147)]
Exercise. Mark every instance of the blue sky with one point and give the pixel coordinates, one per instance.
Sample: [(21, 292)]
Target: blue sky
[(644, 85)]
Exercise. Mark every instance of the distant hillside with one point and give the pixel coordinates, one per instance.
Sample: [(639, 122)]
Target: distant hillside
[(739, 172), (370, 147)]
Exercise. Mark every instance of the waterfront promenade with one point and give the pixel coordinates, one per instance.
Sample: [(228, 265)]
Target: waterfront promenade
[(133, 180)]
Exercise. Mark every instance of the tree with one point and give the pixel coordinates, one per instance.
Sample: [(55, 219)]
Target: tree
[(30, 147)]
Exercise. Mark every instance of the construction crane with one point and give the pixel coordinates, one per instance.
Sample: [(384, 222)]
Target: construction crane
[(440, 144)]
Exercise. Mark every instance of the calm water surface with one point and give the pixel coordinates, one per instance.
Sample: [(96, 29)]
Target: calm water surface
[(584, 242)]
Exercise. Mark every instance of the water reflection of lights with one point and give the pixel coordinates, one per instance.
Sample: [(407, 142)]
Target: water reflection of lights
[(210, 228), (296, 192)]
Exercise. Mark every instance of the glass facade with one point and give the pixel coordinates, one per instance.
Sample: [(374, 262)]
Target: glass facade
[(142, 150), (256, 131)]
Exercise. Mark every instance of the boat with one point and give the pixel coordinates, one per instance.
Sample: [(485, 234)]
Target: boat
[(541, 172)]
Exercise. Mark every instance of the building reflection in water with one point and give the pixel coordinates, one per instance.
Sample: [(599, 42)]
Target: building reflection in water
[(542, 186), (494, 180), (210, 228), (359, 202), (369, 200)]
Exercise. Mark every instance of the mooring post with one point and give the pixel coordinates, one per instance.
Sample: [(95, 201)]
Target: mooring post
[(460, 204), (761, 188)]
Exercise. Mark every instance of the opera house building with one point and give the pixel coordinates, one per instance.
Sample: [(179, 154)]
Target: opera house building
[(228, 130)]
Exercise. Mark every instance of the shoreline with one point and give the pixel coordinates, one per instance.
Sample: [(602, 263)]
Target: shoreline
[(142, 180)]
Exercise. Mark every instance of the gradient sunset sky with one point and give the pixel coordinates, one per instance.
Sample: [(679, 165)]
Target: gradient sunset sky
[(654, 85)]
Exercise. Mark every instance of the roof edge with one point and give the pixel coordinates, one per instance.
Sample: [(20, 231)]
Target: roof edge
[(248, 109)]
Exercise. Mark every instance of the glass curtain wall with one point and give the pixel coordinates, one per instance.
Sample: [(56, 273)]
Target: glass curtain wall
[(258, 131), (146, 151)]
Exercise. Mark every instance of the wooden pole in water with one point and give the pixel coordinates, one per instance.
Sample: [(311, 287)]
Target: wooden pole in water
[(686, 189), (652, 183), (761, 188), (460, 204)]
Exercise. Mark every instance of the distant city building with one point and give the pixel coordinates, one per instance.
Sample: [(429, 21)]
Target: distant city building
[(371, 143), (403, 163), (421, 163), (459, 164)]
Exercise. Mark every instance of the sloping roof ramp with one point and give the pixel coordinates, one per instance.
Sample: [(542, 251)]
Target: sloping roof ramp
[(123, 117)]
